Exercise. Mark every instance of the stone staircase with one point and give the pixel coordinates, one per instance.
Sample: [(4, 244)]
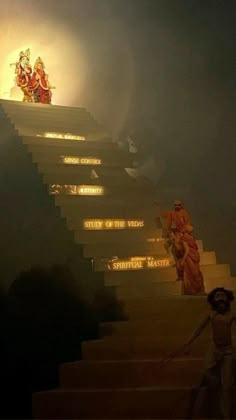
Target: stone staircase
[(120, 376), (35, 140)]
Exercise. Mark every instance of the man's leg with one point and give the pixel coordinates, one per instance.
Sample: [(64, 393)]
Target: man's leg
[(200, 394), (227, 381)]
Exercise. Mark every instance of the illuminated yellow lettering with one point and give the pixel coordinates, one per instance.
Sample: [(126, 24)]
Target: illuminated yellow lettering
[(138, 263), (108, 224), (76, 160), (135, 223), (63, 136)]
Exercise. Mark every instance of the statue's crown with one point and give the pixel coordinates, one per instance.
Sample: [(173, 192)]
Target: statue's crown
[(39, 61), (25, 54)]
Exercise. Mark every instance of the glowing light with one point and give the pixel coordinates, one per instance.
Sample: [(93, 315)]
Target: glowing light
[(132, 263), (57, 52), (73, 160), (55, 189), (62, 136), (153, 240), (112, 224)]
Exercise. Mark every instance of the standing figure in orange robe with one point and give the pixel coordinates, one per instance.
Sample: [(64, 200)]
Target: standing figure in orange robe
[(188, 259), (23, 73), (178, 217), (41, 87)]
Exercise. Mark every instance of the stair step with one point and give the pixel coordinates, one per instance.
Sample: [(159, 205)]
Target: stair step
[(52, 148), (226, 282), (110, 158), (131, 403), (30, 138), (208, 258), (113, 203), (131, 235), (77, 178), (101, 264), (142, 347), (165, 308), (123, 249), (214, 271), (171, 288), (130, 373), (107, 212), (145, 327), (57, 168)]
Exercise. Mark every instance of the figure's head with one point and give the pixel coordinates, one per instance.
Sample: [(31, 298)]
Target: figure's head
[(24, 60), (178, 205), (39, 64), (25, 57), (220, 299)]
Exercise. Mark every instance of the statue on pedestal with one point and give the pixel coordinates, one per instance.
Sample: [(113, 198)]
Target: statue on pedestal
[(23, 71), (40, 84), (35, 86)]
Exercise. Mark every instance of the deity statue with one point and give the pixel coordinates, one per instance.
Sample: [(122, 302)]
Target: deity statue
[(179, 217), (187, 258), (40, 84), (23, 71)]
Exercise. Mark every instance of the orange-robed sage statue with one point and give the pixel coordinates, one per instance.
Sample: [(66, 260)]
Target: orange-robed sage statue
[(178, 217)]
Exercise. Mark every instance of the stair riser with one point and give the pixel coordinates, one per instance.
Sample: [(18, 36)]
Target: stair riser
[(150, 328), (168, 308), (36, 146), (165, 308), (210, 272), (148, 291), (134, 404), (29, 138), (130, 374), (145, 347)]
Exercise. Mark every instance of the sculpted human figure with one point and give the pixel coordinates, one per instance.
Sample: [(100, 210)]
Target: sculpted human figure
[(23, 71), (40, 84), (220, 359), (178, 217), (176, 220), (187, 258)]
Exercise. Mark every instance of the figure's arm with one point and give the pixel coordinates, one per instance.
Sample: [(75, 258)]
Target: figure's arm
[(203, 324)]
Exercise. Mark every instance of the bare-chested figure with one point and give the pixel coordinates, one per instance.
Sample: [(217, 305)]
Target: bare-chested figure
[(219, 363)]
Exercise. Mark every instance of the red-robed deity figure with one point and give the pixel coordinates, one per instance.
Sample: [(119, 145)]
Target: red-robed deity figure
[(23, 73), (193, 278), (40, 84), (187, 258)]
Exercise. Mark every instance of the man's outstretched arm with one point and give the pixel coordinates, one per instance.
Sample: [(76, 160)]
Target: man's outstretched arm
[(203, 324)]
